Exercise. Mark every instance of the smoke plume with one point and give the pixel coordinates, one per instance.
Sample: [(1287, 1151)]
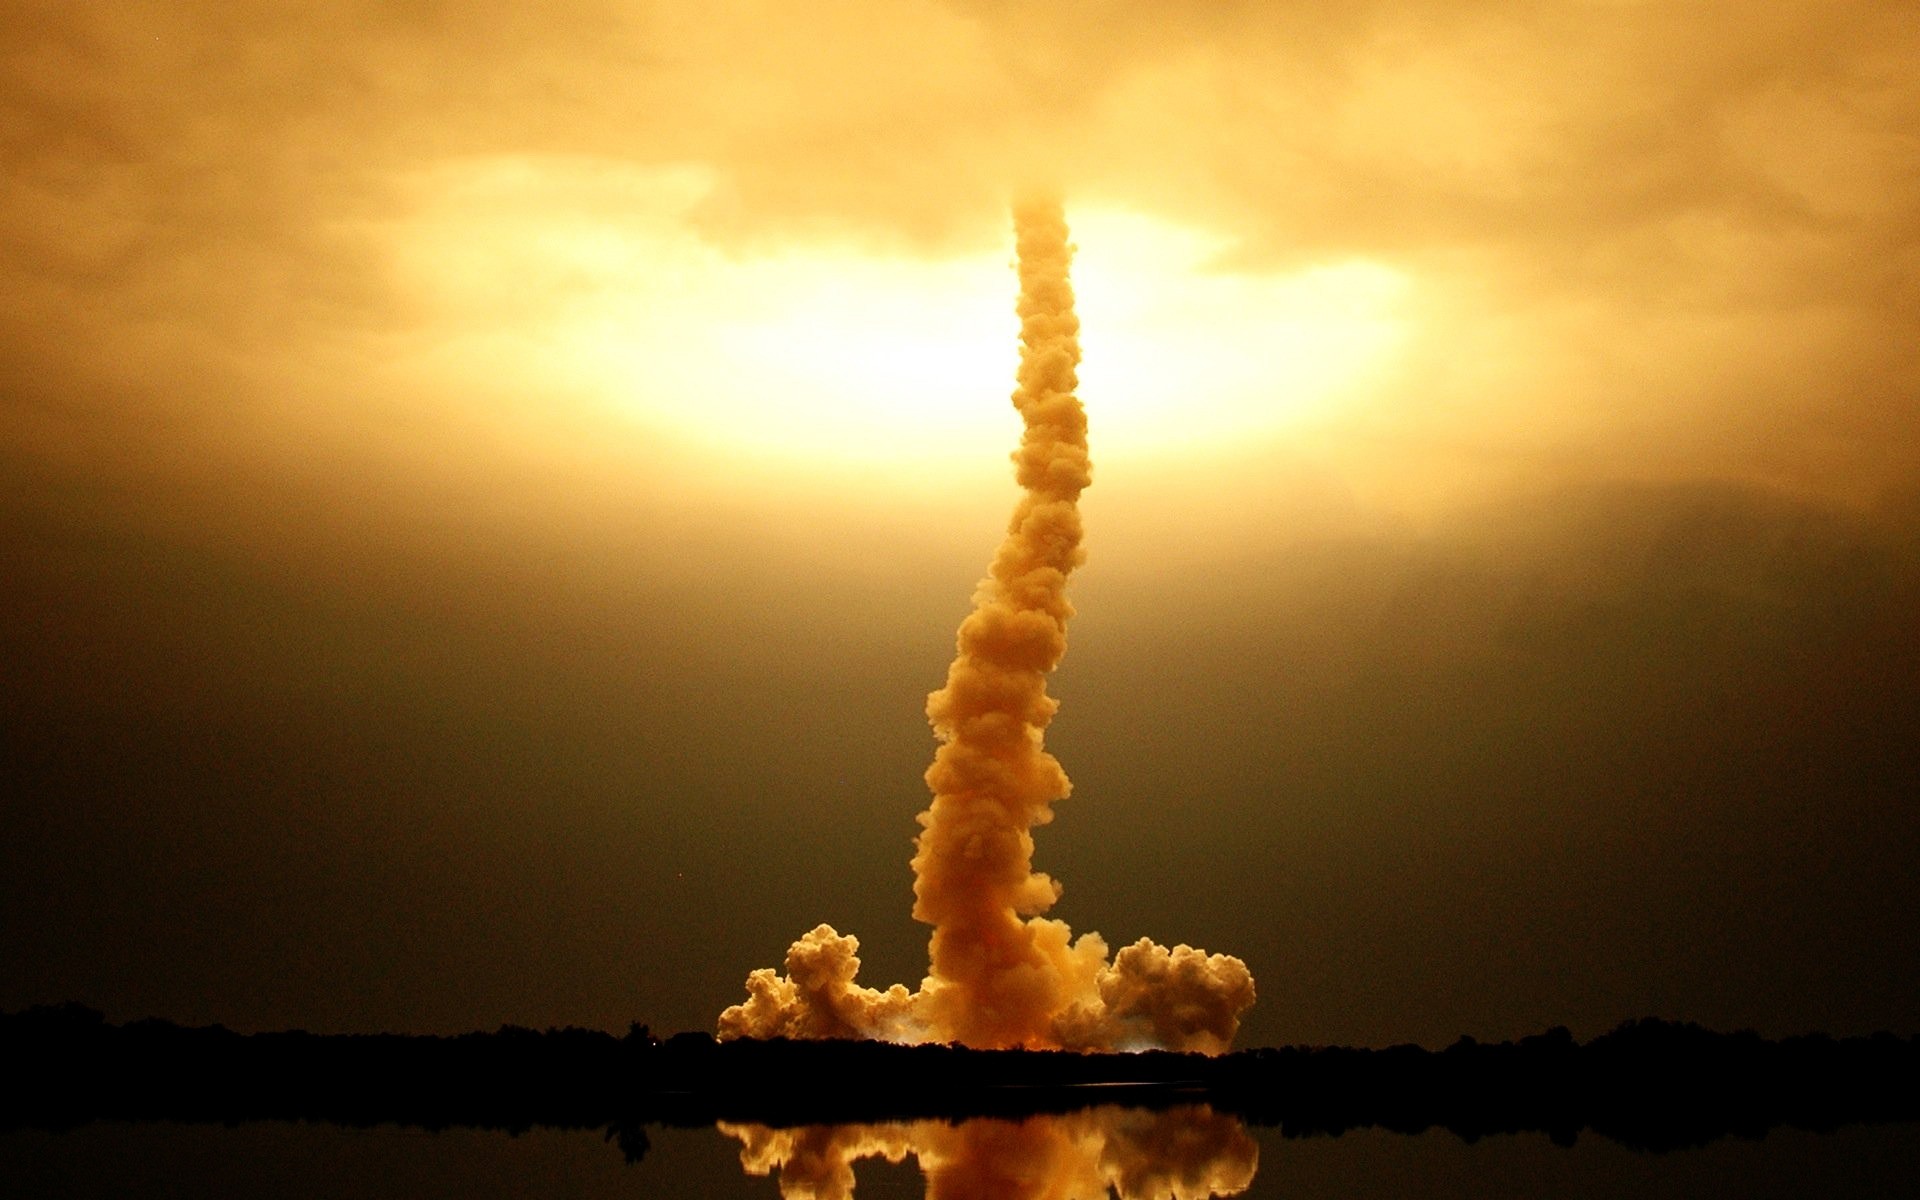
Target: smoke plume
[(1001, 974)]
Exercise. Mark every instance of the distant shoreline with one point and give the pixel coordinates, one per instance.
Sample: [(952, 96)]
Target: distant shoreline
[(1651, 1084)]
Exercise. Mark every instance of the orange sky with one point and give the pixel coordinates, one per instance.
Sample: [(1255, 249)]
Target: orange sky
[(485, 482)]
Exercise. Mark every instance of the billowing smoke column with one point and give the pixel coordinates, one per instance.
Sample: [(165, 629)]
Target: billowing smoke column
[(1001, 974)]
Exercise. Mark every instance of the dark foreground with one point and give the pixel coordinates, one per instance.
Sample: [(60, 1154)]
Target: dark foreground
[(1650, 1084)]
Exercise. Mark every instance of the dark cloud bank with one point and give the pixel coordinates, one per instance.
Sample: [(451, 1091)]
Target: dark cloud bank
[(1614, 750)]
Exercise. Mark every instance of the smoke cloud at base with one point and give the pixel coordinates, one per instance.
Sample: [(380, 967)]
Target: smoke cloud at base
[(1000, 973)]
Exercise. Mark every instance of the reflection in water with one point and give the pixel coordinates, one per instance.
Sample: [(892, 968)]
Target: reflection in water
[(1185, 1153)]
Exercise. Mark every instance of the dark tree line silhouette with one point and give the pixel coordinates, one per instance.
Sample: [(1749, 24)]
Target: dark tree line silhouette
[(1651, 1084)]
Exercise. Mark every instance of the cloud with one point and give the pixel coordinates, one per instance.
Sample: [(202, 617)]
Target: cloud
[(1642, 238)]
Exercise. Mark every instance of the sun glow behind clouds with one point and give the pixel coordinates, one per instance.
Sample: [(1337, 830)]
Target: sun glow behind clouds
[(582, 280)]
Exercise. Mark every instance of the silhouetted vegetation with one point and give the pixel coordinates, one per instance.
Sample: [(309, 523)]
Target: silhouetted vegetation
[(1650, 1084)]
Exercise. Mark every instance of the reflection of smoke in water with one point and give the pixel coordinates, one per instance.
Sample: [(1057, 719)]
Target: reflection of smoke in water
[(1000, 973), (1187, 1153)]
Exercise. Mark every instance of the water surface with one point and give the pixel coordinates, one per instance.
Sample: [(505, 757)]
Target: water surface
[(1189, 1152)]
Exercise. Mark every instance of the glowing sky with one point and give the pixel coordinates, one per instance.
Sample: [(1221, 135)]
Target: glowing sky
[(488, 488), (835, 355)]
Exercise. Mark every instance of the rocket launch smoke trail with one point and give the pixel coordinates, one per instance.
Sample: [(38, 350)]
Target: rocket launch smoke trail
[(1001, 974), (997, 978)]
